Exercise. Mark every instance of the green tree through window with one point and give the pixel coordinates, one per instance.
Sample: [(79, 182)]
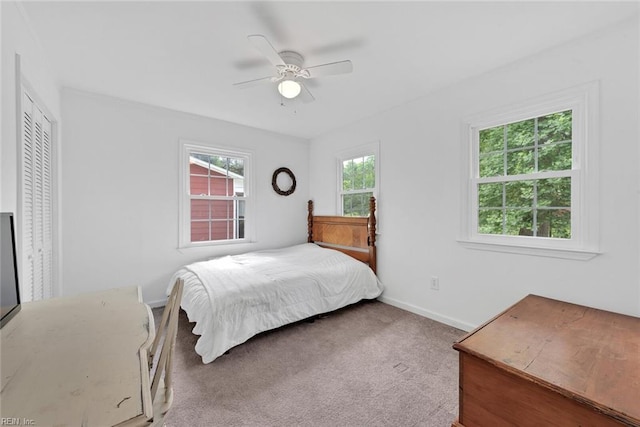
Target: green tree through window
[(524, 185), (358, 182)]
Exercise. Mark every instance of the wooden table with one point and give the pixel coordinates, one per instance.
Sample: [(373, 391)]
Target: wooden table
[(79, 361), (546, 362)]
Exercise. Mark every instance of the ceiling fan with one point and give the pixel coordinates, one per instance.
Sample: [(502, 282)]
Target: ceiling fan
[(290, 72)]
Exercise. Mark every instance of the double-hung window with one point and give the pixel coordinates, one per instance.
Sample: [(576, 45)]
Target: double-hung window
[(357, 179), (532, 180), (524, 177), (215, 194)]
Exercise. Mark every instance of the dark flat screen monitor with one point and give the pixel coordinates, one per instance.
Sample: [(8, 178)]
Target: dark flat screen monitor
[(10, 291)]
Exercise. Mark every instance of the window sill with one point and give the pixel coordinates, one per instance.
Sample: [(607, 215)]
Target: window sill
[(204, 246), (574, 254)]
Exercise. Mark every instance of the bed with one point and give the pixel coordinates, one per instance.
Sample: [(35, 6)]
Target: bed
[(232, 298)]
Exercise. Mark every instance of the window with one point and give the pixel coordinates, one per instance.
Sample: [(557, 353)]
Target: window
[(524, 177), (532, 180), (358, 180), (215, 195)]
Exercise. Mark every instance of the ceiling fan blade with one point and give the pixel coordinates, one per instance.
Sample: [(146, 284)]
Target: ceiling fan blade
[(271, 20), (254, 82), (348, 44), (330, 69), (305, 96), (262, 44)]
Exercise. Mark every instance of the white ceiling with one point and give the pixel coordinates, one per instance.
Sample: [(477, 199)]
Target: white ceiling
[(186, 55)]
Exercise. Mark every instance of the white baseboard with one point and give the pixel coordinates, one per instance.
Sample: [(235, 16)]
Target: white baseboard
[(456, 323)]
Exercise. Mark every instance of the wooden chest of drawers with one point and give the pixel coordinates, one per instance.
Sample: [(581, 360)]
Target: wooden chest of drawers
[(544, 362)]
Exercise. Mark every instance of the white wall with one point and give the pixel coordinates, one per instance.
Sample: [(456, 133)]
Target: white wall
[(120, 199), (17, 37), (420, 144)]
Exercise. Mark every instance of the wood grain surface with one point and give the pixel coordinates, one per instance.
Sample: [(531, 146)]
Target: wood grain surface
[(548, 361)]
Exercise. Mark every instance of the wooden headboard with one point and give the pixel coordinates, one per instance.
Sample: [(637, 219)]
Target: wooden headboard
[(352, 235)]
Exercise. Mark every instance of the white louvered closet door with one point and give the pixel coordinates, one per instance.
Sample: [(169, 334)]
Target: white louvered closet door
[(37, 212)]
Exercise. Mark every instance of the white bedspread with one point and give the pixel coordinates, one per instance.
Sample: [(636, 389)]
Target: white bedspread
[(235, 297)]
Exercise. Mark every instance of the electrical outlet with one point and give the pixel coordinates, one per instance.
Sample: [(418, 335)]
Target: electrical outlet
[(435, 283)]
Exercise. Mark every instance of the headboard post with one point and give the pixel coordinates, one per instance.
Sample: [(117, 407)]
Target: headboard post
[(310, 221), (372, 234)]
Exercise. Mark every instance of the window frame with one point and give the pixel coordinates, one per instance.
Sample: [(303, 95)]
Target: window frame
[(371, 149), (583, 244), (186, 149)]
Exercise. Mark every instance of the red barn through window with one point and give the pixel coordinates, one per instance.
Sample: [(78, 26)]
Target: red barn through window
[(216, 188)]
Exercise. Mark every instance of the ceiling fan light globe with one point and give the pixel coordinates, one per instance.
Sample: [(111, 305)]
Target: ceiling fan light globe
[(289, 88)]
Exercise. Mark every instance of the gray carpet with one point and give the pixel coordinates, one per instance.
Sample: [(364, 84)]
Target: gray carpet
[(369, 364)]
